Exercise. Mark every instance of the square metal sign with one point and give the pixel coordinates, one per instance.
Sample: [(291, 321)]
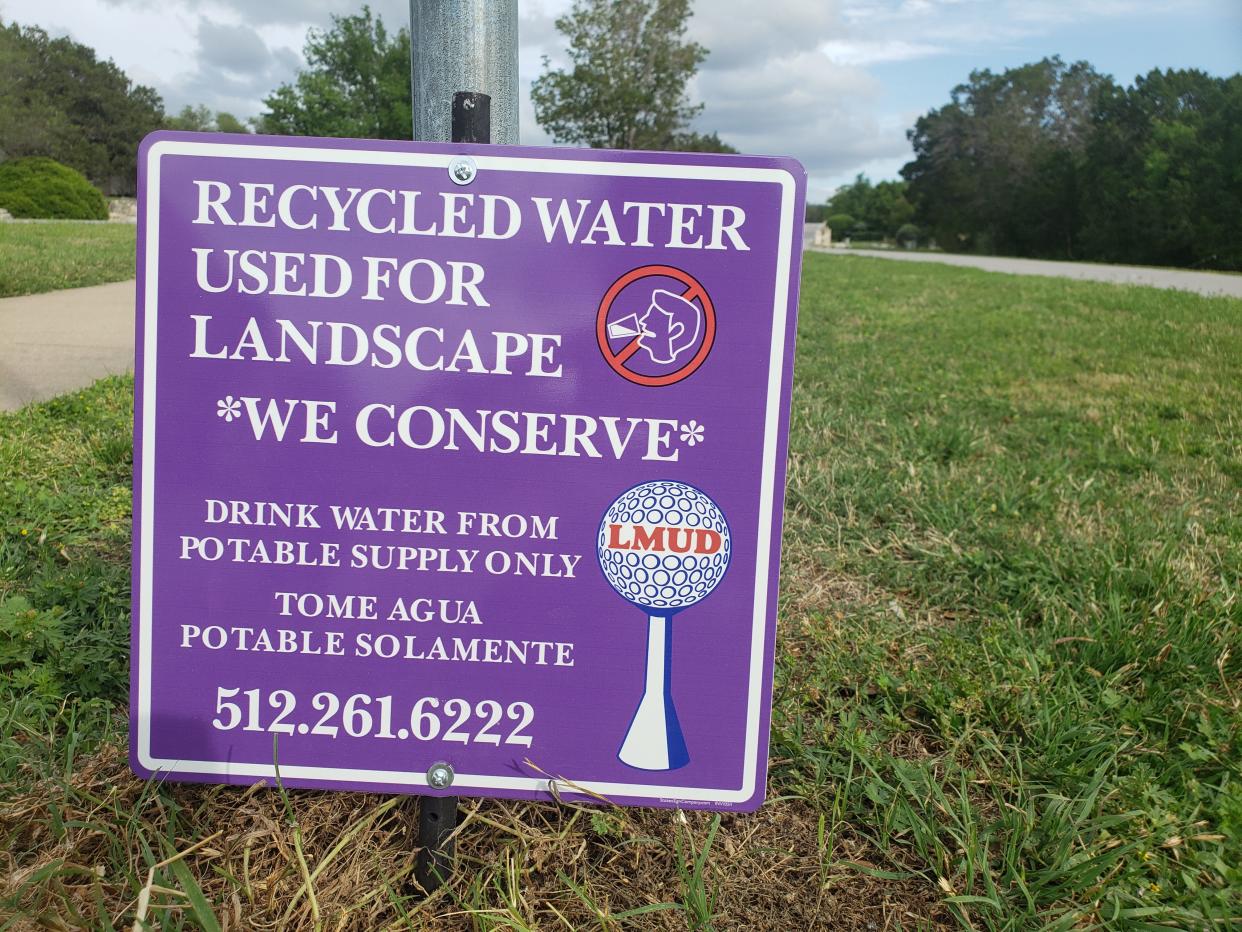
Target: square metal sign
[(460, 455)]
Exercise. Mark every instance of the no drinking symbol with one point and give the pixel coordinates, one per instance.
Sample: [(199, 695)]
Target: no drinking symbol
[(656, 325)]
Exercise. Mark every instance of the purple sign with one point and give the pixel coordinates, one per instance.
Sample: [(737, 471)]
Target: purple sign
[(464, 455)]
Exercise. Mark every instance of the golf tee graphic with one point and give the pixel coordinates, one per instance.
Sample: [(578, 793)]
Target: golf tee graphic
[(663, 547)]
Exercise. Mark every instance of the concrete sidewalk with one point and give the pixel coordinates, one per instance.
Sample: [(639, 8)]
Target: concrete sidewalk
[(1213, 284), (64, 340)]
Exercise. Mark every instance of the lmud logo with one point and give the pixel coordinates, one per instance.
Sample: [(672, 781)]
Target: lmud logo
[(663, 547)]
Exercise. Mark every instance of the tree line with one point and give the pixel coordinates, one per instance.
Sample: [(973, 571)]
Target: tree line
[(62, 102), (58, 100), (1055, 160), (865, 211), (1048, 160)]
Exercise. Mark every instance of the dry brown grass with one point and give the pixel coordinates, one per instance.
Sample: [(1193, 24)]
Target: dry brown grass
[(519, 865), (517, 862)]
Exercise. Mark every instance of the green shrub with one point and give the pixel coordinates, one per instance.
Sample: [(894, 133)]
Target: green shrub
[(865, 234), (43, 188), (908, 233), (840, 224)]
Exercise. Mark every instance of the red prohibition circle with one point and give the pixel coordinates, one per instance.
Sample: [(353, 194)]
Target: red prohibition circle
[(694, 290)]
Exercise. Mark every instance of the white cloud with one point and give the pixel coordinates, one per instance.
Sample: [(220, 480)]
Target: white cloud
[(874, 52), (238, 49), (742, 34), (800, 104)]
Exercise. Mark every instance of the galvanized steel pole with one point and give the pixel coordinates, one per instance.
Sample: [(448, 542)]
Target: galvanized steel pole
[(461, 46), (463, 77)]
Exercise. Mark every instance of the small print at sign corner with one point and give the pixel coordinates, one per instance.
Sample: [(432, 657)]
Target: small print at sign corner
[(486, 474)]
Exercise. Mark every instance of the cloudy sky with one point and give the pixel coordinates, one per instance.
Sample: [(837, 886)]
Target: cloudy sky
[(835, 83)]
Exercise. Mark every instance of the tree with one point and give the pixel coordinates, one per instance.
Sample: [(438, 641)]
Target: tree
[(59, 101), (356, 83), (200, 120), (1055, 160), (875, 209), (30, 123), (995, 169), (227, 123), (193, 119), (840, 225), (625, 87), (1162, 180), (700, 142)]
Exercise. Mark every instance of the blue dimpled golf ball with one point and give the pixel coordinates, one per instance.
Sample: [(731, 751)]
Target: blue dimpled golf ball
[(664, 545)]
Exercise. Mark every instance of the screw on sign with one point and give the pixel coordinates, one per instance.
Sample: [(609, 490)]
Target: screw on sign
[(463, 169), (656, 325), (440, 775), (663, 547)]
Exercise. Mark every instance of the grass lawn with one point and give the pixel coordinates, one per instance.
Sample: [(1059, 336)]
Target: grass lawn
[(37, 257), (1009, 685)]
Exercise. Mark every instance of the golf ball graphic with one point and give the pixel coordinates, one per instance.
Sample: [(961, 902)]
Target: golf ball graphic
[(663, 546)]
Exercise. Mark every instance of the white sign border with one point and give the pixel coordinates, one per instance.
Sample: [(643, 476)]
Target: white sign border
[(173, 768)]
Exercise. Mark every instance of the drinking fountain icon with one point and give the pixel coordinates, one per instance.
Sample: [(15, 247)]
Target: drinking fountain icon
[(670, 327)]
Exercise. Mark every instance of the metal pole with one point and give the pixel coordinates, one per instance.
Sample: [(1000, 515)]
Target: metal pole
[(463, 46), (437, 818), (463, 77)]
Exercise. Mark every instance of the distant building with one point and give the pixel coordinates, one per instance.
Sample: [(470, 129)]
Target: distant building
[(816, 234)]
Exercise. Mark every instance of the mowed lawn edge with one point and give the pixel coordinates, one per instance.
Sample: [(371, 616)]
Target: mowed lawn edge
[(1008, 656), (56, 254)]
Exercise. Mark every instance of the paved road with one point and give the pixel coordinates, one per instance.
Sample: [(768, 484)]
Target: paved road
[(63, 340), (1207, 283)]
